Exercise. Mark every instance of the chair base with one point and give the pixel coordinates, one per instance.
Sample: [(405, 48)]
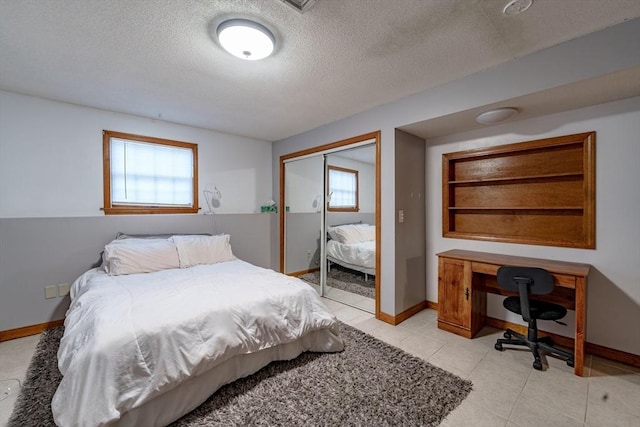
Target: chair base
[(535, 346)]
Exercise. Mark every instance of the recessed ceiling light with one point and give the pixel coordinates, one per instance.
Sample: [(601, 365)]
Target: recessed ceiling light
[(246, 39), (496, 116), (516, 7)]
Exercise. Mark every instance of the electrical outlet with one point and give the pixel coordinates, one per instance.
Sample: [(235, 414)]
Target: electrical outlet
[(309, 255), (63, 289), (50, 292)]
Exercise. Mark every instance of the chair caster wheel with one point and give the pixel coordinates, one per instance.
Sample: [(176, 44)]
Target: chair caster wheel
[(537, 365), (498, 346), (507, 335), (570, 363)]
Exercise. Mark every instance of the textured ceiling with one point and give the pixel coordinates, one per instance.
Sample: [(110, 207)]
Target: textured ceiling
[(156, 58)]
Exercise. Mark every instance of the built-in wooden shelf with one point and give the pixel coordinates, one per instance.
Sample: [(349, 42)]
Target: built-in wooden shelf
[(536, 192)]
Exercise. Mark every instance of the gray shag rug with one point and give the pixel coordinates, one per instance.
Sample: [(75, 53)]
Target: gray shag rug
[(345, 279), (370, 383)]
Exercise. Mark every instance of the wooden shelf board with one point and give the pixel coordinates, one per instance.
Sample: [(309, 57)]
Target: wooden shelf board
[(520, 208), (517, 178)]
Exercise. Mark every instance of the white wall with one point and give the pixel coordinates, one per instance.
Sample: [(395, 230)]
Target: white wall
[(613, 293), (304, 183), (51, 159)]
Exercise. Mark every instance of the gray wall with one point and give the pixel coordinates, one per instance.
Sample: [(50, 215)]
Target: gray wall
[(410, 234), (39, 252), (302, 236), (336, 218)]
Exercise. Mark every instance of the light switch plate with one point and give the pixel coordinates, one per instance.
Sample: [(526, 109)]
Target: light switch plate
[(50, 292), (63, 289)]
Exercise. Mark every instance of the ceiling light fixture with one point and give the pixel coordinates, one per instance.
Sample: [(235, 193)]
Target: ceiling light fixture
[(516, 7), (246, 39), (496, 115)]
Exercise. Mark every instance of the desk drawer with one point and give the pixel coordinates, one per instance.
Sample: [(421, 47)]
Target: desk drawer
[(563, 280), (480, 267)]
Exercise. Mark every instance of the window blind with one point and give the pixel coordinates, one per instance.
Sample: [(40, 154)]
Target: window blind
[(343, 185), (150, 174)]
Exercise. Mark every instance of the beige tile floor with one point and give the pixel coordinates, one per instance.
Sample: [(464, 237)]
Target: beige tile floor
[(507, 391)]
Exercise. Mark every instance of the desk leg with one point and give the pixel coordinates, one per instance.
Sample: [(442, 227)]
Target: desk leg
[(581, 325)]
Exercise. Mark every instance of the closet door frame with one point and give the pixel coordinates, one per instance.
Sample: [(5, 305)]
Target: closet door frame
[(374, 137)]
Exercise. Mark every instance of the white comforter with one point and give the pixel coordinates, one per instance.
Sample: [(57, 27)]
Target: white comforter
[(362, 253), (130, 338)]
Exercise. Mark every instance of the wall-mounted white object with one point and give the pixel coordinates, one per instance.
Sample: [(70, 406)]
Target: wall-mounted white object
[(516, 7), (497, 115), (212, 197)]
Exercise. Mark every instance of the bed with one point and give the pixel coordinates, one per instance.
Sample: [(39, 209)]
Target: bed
[(353, 246), (164, 323)]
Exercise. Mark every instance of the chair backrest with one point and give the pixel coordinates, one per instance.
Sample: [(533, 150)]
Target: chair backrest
[(525, 281), (538, 280)]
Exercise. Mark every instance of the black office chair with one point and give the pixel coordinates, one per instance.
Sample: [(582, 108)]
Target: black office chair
[(527, 281)]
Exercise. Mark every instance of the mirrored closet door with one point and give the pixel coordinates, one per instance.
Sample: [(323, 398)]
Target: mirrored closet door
[(329, 222), (303, 213)]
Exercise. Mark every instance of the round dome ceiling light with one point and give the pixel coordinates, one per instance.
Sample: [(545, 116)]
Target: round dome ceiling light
[(246, 39), (497, 115), (516, 7)]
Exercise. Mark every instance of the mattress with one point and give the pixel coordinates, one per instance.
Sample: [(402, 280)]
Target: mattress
[(361, 254), (132, 341)]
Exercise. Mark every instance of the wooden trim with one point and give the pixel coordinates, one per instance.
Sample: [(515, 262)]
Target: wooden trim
[(151, 210), (107, 206), (387, 318), (376, 136), (302, 272), (613, 354), (589, 212), (26, 331), (432, 305), (353, 140), (401, 317), (568, 342)]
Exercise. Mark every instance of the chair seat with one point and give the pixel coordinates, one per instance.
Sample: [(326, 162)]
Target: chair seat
[(539, 309)]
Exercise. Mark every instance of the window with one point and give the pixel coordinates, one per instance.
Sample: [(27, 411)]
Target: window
[(144, 175), (343, 187)]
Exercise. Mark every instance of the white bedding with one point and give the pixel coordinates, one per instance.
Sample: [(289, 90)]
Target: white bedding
[(362, 254), (129, 339)]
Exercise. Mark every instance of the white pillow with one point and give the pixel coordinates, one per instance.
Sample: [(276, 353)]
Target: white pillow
[(331, 231), (355, 233), (140, 256), (368, 232), (195, 250)]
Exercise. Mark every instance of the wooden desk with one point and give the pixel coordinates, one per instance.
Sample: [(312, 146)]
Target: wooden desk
[(465, 278)]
